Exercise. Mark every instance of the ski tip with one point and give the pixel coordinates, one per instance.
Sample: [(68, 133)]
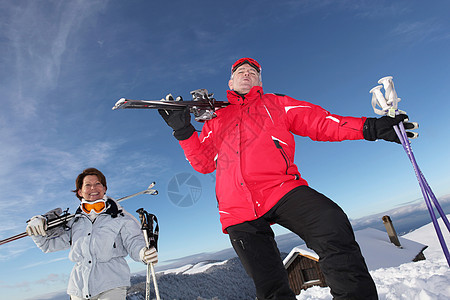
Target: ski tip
[(119, 103), (151, 192)]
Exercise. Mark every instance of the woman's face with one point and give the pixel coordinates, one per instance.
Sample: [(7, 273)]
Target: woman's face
[(92, 188)]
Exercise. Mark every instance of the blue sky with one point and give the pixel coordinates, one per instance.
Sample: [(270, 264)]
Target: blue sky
[(65, 63)]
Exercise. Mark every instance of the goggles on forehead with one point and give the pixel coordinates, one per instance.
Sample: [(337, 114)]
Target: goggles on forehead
[(246, 60), (97, 206)]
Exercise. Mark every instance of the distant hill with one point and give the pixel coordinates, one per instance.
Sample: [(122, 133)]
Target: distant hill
[(405, 218)]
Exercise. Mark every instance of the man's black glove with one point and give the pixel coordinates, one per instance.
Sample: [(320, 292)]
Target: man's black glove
[(179, 120), (382, 128)]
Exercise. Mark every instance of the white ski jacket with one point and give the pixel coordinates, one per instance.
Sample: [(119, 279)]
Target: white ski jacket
[(97, 248)]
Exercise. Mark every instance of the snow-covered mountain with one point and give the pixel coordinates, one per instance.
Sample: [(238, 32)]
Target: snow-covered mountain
[(204, 280)]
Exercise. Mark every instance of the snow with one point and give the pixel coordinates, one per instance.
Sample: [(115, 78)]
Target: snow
[(423, 280), (193, 268), (387, 254), (179, 270), (201, 267)]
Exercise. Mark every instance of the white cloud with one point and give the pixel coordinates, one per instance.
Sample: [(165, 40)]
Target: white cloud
[(419, 31), (46, 262), (50, 279), (37, 35)]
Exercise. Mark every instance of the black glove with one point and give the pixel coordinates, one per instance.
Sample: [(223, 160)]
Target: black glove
[(179, 120), (382, 128)]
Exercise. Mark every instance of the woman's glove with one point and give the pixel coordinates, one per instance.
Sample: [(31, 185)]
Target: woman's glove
[(37, 226), (148, 255)]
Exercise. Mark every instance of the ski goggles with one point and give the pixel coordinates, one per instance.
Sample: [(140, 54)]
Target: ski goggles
[(97, 206), (246, 60)]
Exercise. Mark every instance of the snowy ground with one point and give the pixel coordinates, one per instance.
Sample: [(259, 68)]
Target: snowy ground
[(423, 280)]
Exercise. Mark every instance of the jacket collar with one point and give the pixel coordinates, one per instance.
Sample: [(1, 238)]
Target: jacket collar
[(255, 93)]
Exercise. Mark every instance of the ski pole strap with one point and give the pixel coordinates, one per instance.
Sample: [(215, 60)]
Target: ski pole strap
[(147, 220)]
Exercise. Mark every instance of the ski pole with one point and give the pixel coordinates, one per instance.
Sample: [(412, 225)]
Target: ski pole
[(151, 240), (402, 133), (66, 216), (389, 107), (426, 192)]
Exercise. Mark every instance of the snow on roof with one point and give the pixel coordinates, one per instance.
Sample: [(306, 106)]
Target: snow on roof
[(302, 250), (376, 248)]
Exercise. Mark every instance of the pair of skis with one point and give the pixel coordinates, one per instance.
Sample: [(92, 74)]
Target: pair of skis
[(66, 216), (389, 106)]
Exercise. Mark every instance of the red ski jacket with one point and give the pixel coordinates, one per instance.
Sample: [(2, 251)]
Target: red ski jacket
[(250, 145)]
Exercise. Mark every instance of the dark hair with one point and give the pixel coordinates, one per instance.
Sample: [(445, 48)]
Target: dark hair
[(87, 172)]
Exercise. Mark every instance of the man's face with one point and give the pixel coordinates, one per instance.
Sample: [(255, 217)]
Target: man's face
[(92, 188), (244, 78)]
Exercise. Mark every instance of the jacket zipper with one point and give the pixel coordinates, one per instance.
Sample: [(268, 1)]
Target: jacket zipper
[(283, 153)]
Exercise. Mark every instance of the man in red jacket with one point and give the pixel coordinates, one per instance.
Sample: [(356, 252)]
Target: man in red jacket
[(250, 145)]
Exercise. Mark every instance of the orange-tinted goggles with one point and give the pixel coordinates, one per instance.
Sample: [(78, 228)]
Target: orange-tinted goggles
[(97, 206)]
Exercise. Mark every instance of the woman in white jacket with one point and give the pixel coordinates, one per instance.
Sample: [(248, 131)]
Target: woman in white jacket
[(100, 236)]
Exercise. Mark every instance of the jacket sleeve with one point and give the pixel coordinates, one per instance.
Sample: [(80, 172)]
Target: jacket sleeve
[(56, 239), (310, 120), (132, 236), (200, 151)]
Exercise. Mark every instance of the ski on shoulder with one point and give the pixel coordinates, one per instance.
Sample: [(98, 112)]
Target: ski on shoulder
[(202, 105), (62, 217)]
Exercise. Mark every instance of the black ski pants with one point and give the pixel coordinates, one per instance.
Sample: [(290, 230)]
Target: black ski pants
[(324, 227)]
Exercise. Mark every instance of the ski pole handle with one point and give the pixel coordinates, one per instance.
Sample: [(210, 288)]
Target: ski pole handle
[(389, 101), (376, 92), (389, 90)]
